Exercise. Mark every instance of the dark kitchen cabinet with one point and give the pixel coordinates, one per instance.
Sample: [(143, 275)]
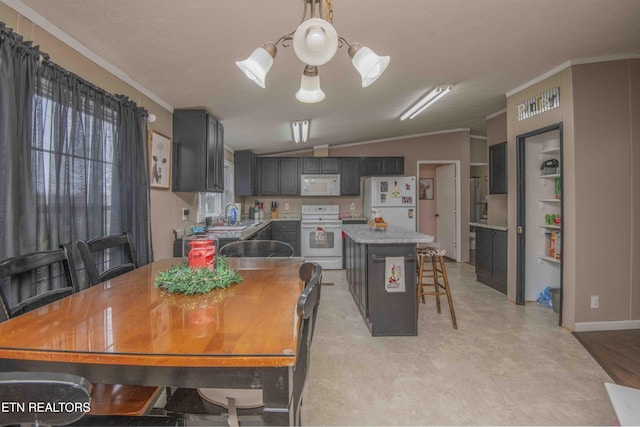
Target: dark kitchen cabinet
[(269, 172), (279, 176), (498, 168), (311, 165), (265, 233), (245, 175), (350, 176), (198, 152), (289, 232), (289, 176), (373, 166), (491, 258), (393, 165), (385, 313)]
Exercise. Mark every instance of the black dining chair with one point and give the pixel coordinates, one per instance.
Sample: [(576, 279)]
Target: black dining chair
[(101, 256), (257, 248), (232, 405), (68, 395), (22, 277)]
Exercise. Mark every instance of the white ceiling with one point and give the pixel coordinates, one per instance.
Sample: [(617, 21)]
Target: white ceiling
[(184, 53)]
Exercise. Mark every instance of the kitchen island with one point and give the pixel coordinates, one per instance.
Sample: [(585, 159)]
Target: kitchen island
[(381, 272)]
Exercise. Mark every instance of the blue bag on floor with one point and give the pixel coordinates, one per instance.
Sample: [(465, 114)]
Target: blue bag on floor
[(545, 297)]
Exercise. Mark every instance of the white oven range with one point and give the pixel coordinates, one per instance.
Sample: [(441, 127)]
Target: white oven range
[(321, 235)]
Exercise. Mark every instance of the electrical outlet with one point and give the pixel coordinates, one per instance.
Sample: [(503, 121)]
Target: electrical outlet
[(353, 206), (185, 214), (286, 206), (595, 301)]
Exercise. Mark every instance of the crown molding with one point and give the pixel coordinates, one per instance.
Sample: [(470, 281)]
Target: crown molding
[(567, 64)]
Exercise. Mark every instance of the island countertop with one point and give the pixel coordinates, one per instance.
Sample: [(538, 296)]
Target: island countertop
[(362, 233)]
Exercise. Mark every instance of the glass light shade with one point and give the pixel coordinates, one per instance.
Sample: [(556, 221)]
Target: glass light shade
[(315, 41), (257, 65), (310, 91), (369, 65)]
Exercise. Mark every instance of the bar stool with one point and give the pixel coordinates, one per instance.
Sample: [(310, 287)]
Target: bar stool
[(436, 272)]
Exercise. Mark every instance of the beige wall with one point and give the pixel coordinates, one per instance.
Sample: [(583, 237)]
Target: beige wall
[(604, 121), (514, 128), (166, 207), (635, 144), (600, 113)]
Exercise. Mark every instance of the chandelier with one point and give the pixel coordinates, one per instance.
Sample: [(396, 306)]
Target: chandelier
[(315, 42)]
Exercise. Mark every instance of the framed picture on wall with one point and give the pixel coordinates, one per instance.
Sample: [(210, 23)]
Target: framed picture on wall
[(159, 161), (426, 188)]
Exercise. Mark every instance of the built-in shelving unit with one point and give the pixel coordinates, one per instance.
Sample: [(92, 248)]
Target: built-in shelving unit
[(543, 204)]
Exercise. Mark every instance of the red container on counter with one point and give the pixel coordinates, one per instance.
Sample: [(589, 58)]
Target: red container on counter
[(201, 251)]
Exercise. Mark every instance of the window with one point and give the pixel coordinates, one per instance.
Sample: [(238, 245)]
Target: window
[(212, 204)]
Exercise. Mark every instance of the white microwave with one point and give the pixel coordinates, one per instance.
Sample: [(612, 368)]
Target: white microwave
[(320, 185)]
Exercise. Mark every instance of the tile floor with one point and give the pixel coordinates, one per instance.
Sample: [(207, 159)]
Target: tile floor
[(505, 365)]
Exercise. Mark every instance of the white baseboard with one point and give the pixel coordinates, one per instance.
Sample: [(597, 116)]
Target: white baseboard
[(614, 325)]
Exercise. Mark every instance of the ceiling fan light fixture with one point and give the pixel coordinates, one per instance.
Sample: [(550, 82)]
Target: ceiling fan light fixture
[(315, 42), (310, 91), (258, 64), (368, 63)]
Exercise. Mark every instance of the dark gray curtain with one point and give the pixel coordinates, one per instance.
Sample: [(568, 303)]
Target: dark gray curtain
[(74, 156), (18, 67)]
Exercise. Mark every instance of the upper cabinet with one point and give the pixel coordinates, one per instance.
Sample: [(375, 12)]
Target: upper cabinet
[(350, 176), (245, 176), (279, 176), (198, 152), (372, 166), (498, 168), (311, 165), (289, 176)]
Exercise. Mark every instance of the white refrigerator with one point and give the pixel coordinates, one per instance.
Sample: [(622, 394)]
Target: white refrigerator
[(395, 197)]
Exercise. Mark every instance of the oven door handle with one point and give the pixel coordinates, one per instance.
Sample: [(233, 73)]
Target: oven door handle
[(321, 226)]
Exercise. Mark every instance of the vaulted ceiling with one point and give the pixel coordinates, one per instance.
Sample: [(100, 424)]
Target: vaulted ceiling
[(183, 53)]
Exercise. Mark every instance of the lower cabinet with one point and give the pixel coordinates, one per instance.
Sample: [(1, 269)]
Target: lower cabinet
[(491, 258), (289, 232), (265, 233), (385, 313)]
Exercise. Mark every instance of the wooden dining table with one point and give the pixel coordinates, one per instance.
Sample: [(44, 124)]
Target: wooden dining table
[(129, 331)]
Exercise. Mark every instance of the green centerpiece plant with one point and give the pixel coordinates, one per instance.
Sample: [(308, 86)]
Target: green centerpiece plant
[(182, 279)]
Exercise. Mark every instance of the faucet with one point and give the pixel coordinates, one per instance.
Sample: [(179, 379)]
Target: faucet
[(228, 208)]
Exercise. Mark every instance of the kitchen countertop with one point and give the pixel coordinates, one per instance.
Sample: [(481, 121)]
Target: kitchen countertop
[(362, 233), (491, 226)]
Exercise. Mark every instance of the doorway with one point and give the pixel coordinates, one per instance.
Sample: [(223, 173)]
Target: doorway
[(439, 213), (539, 216)]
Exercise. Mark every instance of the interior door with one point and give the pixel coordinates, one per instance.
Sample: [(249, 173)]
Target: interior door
[(446, 209)]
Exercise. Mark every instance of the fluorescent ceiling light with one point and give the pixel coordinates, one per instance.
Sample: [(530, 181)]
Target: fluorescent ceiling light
[(300, 129), (427, 101)]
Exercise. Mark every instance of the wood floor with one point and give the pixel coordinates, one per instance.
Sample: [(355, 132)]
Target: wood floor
[(617, 352)]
